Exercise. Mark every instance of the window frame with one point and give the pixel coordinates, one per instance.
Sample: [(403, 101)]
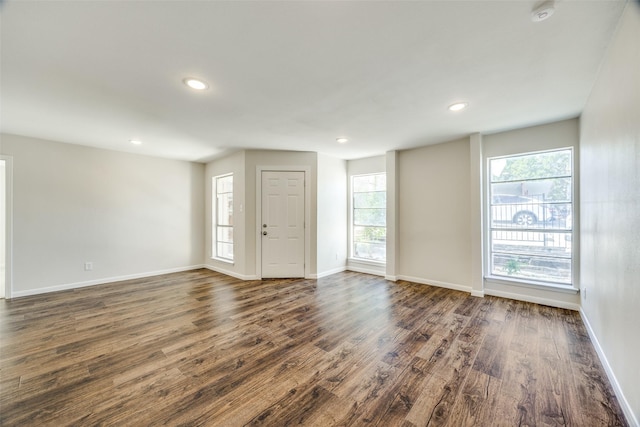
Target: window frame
[(488, 228), (216, 222), (352, 225)]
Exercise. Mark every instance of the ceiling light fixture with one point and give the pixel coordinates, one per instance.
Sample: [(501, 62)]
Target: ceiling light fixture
[(342, 140), (195, 83), (458, 106), (542, 12), (135, 141)]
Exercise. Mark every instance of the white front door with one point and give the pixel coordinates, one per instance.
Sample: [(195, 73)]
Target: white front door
[(282, 225)]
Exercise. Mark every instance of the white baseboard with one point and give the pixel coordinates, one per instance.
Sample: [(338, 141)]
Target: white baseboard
[(453, 286), (536, 300), (626, 408), (364, 270), (391, 278), (76, 285), (231, 273), (328, 272), (479, 294)]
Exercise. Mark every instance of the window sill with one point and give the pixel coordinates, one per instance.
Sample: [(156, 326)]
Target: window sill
[(567, 289), (226, 261), (367, 261)]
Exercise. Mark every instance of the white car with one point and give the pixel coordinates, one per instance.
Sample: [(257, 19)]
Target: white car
[(519, 210)]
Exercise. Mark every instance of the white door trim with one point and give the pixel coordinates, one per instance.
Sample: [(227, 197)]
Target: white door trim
[(307, 214), (8, 236)]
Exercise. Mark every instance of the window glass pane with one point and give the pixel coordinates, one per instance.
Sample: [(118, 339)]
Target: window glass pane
[(530, 216), (536, 268), (225, 234), (225, 250), (538, 190), (531, 166), (362, 183), (225, 209), (532, 243), (223, 217), (225, 184), (376, 199), (373, 251), (370, 217), (369, 234)]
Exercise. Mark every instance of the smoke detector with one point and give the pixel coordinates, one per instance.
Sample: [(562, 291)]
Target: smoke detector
[(542, 12)]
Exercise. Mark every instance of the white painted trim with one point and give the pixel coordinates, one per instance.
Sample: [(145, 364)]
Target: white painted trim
[(226, 261), (365, 270), (476, 215), (479, 294), (542, 286), (626, 407), (447, 285), (529, 298), (393, 225), (369, 262), (230, 273), (104, 281), (391, 278), (8, 231), (307, 213), (366, 266), (328, 272)]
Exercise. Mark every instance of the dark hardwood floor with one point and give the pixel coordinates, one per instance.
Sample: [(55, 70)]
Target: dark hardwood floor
[(201, 348)]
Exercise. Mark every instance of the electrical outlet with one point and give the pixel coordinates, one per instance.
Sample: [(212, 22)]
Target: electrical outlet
[(88, 266)]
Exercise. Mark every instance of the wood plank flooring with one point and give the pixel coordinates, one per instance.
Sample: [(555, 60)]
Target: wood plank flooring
[(203, 349)]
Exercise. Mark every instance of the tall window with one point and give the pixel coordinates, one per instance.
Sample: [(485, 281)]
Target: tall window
[(223, 218), (369, 217), (530, 219)]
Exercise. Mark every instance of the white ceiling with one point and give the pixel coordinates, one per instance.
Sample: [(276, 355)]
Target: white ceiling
[(292, 75)]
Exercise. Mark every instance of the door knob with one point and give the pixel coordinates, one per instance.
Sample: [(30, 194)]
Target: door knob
[(264, 233)]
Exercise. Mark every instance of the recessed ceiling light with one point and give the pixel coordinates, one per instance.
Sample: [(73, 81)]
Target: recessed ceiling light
[(342, 140), (542, 12), (195, 83), (135, 141), (458, 106)]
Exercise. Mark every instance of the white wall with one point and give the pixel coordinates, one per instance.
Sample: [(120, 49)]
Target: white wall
[(537, 138), (367, 165), (332, 215), (130, 215), (610, 211), (434, 226), (235, 164)]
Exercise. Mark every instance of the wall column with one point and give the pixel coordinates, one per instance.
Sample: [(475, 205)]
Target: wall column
[(392, 215), (476, 215)]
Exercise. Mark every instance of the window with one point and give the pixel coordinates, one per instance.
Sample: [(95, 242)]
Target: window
[(223, 217), (369, 217), (530, 218)]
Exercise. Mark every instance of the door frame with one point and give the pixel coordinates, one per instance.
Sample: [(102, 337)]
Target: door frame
[(307, 214), (8, 230)]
